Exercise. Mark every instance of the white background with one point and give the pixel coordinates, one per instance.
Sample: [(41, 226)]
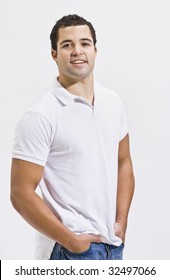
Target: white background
[(134, 60)]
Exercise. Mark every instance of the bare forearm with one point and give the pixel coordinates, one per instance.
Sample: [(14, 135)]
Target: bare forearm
[(25, 177), (124, 192), (34, 210)]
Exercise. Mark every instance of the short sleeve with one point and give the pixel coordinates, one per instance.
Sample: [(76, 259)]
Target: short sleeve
[(32, 138), (123, 123)]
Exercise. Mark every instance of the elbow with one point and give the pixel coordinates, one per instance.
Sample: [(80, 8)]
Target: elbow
[(15, 200), (131, 176), (126, 173), (133, 181)]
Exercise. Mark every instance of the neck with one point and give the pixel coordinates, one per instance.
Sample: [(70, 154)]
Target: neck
[(83, 88)]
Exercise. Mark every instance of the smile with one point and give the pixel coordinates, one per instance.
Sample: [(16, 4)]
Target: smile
[(78, 61)]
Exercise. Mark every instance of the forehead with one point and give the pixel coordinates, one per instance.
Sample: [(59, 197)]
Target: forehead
[(74, 33)]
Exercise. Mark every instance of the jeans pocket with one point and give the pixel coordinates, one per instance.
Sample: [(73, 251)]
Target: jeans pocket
[(68, 255), (56, 252), (117, 252)]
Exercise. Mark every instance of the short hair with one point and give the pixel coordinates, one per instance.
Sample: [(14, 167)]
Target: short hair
[(70, 20)]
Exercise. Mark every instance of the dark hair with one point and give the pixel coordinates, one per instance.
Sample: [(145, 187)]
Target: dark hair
[(70, 20)]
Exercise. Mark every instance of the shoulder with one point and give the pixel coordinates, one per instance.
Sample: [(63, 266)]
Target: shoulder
[(40, 116), (47, 106)]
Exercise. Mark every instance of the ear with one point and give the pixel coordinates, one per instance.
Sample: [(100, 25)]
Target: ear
[(54, 55), (95, 50)]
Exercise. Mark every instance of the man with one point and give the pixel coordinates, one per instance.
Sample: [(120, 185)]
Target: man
[(74, 144)]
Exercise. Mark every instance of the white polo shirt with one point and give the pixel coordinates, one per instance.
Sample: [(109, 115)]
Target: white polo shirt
[(77, 143)]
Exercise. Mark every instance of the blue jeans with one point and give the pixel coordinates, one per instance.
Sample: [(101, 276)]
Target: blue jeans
[(97, 251)]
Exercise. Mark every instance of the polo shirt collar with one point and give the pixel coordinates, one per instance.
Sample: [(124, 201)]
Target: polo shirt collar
[(61, 93), (66, 97)]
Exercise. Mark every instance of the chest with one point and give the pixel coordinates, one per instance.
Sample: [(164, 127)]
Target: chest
[(80, 127)]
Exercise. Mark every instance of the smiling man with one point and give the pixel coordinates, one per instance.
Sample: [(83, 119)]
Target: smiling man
[(75, 55), (74, 144)]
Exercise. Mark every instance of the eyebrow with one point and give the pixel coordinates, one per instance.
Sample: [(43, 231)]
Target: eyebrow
[(82, 39)]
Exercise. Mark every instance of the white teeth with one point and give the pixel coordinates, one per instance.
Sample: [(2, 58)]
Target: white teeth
[(78, 61)]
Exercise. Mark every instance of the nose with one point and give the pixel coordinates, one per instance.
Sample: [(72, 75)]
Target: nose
[(77, 50)]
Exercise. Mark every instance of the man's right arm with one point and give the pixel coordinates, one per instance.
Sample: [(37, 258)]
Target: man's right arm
[(25, 177)]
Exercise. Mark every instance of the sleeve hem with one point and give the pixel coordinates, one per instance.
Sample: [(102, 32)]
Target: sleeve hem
[(123, 134), (30, 159)]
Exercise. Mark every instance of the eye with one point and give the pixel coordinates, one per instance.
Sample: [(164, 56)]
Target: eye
[(67, 45), (85, 44)]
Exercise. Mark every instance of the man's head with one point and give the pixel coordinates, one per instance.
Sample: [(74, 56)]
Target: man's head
[(73, 42), (69, 20)]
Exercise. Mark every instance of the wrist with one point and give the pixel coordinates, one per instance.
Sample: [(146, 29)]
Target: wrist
[(70, 243), (121, 223), (120, 230)]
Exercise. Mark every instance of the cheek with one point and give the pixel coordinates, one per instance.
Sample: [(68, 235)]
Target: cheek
[(63, 63), (92, 55), (92, 59), (63, 58)]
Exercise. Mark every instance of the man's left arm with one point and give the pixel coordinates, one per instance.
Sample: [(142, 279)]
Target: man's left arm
[(125, 187)]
